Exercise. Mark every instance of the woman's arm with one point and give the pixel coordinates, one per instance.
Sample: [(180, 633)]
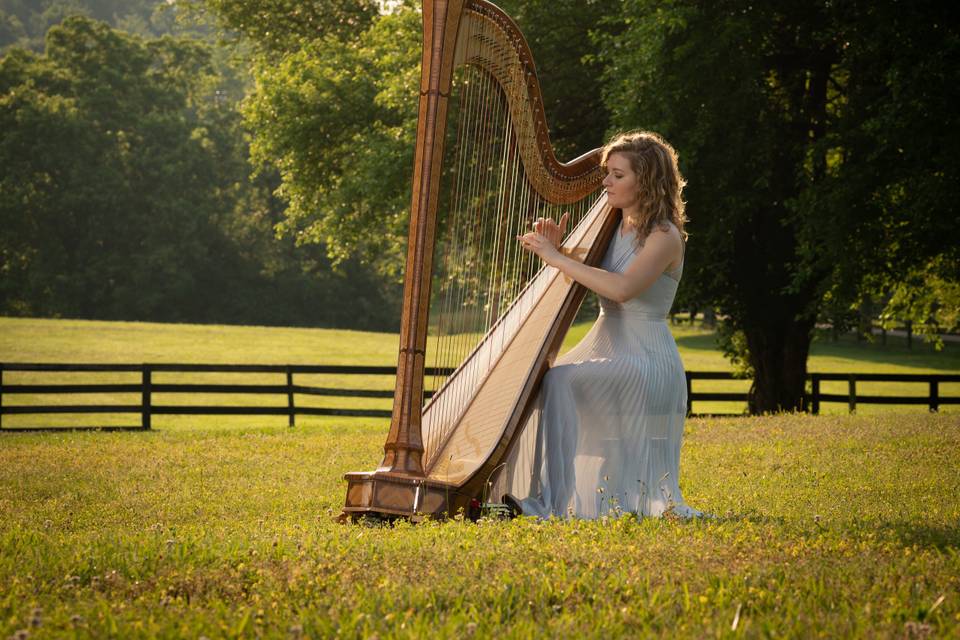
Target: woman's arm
[(660, 249)]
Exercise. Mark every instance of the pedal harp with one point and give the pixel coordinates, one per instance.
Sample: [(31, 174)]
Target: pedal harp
[(496, 311)]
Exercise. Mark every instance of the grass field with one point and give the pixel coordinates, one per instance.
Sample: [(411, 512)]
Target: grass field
[(829, 526)]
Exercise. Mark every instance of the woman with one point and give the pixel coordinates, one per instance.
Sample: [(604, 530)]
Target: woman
[(607, 435)]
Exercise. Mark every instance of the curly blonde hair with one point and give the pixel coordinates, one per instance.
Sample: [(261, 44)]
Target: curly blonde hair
[(660, 183)]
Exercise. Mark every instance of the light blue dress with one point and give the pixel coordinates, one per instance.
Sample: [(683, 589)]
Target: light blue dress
[(607, 432)]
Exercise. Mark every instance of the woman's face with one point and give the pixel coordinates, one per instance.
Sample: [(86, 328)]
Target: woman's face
[(620, 182)]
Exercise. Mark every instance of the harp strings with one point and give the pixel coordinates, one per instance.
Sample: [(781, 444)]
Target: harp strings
[(481, 268)]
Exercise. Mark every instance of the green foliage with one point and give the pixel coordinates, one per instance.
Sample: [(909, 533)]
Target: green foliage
[(930, 297), (24, 23), (339, 124), (279, 26), (125, 191), (733, 343), (890, 186), (810, 166), (91, 124), (334, 111)]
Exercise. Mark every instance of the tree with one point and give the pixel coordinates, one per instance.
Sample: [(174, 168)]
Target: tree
[(109, 177), (814, 139), (338, 122), (124, 194), (334, 109), (278, 27), (24, 23)]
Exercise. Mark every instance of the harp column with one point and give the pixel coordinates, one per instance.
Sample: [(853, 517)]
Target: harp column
[(404, 447)]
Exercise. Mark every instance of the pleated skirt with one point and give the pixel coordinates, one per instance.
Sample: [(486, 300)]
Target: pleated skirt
[(605, 437)]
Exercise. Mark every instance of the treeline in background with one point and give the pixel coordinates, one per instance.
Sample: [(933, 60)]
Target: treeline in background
[(248, 161), (126, 190)]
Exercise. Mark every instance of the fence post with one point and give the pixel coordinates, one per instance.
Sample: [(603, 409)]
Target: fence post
[(852, 393), (290, 410), (934, 395), (689, 393), (815, 393), (146, 409)]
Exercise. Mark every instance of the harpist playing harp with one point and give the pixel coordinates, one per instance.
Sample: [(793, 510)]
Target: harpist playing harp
[(485, 307)]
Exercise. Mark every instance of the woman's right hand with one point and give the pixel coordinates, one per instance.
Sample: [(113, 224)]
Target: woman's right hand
[(550, 230)]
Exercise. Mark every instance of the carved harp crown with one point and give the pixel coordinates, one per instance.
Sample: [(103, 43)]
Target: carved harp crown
[(495, 311)]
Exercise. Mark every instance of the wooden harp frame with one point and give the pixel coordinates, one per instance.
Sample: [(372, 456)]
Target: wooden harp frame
[(399, 487)]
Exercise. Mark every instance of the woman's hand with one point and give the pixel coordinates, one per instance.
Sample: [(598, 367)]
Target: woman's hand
[(551, 230), (545, 238)]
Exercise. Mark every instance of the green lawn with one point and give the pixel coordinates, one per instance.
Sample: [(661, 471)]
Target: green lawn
[(829, 526), (832, 526)]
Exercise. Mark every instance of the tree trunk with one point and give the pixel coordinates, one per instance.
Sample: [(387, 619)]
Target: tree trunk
[(709, 318), (778, 353)]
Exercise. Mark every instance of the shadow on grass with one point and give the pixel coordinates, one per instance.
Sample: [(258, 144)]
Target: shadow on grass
[(904, 533), (922, 355), (699, 342), (940, 537), (752, 516)]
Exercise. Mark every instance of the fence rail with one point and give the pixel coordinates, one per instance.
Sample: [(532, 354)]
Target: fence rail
[(147, 407)]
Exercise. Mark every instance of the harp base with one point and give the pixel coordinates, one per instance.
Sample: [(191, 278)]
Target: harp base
[(391, 495)]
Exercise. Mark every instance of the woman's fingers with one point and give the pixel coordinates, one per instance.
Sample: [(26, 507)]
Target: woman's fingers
[(531, 241), (549, 230)]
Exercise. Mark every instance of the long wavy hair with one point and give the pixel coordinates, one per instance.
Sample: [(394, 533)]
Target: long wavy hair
[(659, 181)]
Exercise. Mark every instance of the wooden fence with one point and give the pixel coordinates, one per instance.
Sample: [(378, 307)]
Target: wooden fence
[(147, 407)]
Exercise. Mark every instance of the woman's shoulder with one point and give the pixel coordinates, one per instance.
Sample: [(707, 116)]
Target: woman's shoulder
[(666, 232), (668, 239)]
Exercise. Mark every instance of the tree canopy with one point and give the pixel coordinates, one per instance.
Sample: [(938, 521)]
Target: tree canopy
[(124, 193), (815, 140)]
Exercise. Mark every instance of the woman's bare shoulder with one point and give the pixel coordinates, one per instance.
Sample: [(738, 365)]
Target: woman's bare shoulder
[(668, 239), (666, 232)]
